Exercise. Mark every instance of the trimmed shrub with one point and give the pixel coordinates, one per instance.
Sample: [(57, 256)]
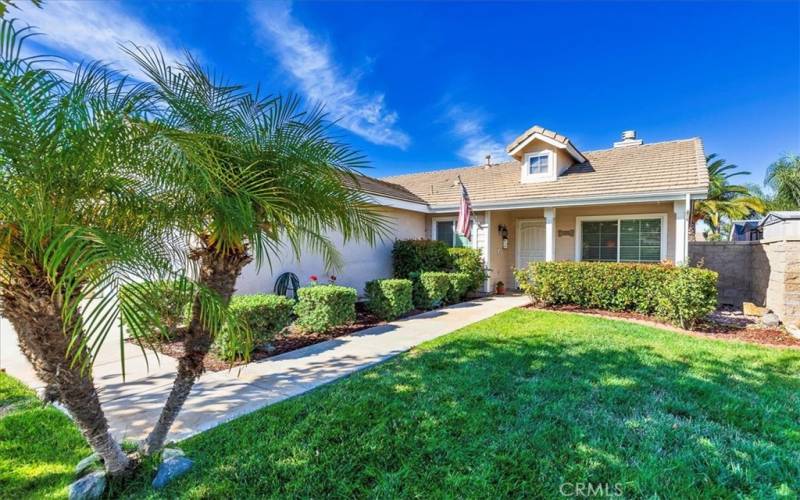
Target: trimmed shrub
[(417, 256), (263, 315), (170, 298), (681, 295), (459, 287), (689, 295), (430, 289), (389, 299), (322, 307), (469, 261)]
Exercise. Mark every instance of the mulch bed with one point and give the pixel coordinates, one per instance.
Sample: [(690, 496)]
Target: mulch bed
[(747, 331), (290, 340)]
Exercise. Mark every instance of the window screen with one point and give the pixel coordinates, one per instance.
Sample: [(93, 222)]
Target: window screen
[(599, 241)]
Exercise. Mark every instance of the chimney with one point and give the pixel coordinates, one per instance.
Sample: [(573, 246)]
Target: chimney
[(628, 139)]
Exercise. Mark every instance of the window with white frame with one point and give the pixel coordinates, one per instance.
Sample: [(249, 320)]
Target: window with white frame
[(538, 164), (623, 239), (445, 231)]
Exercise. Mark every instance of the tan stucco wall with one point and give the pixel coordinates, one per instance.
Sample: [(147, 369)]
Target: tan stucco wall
[(361, 262), (504, 261)]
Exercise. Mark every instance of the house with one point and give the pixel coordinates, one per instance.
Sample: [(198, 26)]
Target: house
[(745, 230), (780, 225), (549, 201)]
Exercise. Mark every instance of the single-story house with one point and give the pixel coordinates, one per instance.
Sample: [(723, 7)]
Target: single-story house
[(549, 201)]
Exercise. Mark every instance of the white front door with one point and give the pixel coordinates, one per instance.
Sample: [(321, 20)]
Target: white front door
[(530, 242)]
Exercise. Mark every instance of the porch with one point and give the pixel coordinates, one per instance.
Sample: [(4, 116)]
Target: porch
[(511, 238)]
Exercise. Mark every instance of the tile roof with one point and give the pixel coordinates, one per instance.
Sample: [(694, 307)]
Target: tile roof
[(379, 187), (670, 166), (536, 129)]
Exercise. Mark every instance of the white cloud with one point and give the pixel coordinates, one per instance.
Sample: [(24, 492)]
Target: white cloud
[(82, 30), (469, 127), (320, 79)]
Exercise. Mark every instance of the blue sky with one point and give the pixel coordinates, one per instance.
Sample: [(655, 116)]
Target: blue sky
[(420, 86)]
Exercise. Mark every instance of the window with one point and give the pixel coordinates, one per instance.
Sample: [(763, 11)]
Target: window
[(446, 231), (625, 239), (538, 164)]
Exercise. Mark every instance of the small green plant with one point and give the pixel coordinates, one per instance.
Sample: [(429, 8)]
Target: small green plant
[(430, 289), (285, 282), (459, 286), (390, 298), (322, 307), (469, 261), (688, 295), (416, 256), (263, 315), (169, 301)]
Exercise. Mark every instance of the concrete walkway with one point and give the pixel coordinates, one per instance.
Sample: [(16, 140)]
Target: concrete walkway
[(133, 405)]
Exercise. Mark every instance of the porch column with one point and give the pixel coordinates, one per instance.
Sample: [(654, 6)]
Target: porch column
[(681, 231), (550, 234)]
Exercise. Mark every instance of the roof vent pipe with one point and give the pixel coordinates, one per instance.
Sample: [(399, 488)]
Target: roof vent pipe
[(628, 139)]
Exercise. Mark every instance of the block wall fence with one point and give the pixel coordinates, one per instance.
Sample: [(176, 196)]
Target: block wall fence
[(764, 272)]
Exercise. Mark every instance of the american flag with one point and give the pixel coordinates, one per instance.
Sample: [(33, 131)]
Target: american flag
[(464, 224)]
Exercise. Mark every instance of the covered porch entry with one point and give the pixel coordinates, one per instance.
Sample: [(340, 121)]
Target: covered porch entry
[(512, 238)]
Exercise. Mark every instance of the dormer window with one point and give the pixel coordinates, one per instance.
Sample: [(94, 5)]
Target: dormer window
[(539, 166), (538, 163)]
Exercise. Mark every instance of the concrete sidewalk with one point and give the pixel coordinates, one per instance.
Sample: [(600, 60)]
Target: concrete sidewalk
[(133, 406)]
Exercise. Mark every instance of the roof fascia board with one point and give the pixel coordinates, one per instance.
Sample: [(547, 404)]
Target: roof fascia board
[(555, 202), (536, 135), (387, 201)]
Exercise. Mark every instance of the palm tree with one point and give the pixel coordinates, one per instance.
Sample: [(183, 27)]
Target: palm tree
[(83, 209), (783, 177), (276, 179), (725, 200)]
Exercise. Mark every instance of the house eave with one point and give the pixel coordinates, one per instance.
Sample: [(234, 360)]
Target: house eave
[(589, 200)]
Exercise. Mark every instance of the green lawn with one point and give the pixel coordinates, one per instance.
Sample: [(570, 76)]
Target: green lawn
[(516, 405), (39, 446)]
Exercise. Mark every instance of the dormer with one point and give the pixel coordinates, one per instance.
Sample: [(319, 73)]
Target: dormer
[(543, 154)]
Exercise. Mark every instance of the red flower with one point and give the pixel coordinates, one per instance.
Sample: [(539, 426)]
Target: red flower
[(313, 277)]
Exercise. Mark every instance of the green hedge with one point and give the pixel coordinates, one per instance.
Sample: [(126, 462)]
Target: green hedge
[(390, 298), (170, 300), (430, 289), (469, 261), (417, 256), (460, 284), (681, 295), (322, 307), (264, 315)]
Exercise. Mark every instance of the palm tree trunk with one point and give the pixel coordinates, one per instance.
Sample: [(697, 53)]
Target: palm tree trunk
[(35, 312), (218, 272)]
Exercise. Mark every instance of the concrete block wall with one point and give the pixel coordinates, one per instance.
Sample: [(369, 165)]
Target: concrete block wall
[(733, 262), (764, 272)]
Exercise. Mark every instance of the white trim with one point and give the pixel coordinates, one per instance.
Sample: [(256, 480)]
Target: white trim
[(560, 202), (550, 234), (487, 257), (570, 149), (552, 169), (518, 239), (581, 218), (387, 201)]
